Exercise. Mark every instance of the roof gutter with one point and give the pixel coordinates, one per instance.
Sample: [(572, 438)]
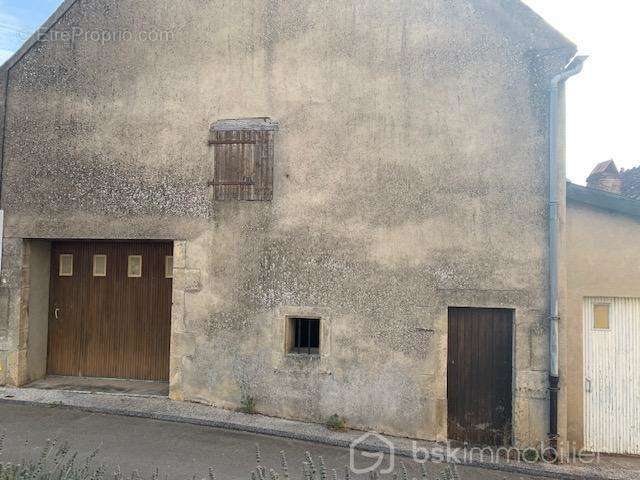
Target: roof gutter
[(572, 69)]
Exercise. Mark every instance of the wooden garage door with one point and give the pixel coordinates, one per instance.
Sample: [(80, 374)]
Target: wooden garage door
[(110, 310), (480, 375)]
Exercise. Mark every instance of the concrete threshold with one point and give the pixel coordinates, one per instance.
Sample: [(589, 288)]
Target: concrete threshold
[(137, 388), (164, 409)]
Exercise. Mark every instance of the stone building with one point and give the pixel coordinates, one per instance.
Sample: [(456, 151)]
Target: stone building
[(319, 205)]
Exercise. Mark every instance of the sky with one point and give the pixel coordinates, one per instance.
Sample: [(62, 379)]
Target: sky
[(19, 19), (603, 102)]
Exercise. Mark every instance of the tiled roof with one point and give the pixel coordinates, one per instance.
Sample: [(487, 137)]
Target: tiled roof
[(605, 167), (631, 182)]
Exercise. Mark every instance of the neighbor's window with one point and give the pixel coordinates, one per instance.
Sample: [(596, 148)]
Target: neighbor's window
[(99, 265), (66, 265), (601, 317), (134, 269), (304, 335), (168, 266), (243, 159)]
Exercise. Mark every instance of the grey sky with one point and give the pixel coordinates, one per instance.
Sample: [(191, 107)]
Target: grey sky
[(604, 101)]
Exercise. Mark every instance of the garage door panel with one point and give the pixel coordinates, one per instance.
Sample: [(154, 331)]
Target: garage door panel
[(124, 320), (65, 317), (612, 376)]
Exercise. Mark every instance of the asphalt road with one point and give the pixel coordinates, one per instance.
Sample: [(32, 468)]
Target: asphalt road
[(178, 451)]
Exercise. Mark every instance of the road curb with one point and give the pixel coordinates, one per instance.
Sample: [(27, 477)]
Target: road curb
[(324, 439)]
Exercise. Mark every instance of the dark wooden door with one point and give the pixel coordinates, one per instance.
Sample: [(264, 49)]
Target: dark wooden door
[(479, 388), (105, 319)]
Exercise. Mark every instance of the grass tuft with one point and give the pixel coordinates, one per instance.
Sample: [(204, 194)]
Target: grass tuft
[(248, 405), (336, 422)]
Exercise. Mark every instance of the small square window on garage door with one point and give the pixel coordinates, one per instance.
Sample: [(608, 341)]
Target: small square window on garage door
[(243, 159), (99, 265), (65, 268), (134, 266), (601, 313)]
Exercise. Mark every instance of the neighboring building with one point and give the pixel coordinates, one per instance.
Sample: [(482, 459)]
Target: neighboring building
[(602, 329), (328, 206), (607, 177)]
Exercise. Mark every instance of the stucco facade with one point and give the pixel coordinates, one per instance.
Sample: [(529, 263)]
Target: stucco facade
[(410, 175), (602, 245)]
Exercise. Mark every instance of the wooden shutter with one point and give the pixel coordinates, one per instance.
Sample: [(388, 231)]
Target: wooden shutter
[(243, 165)]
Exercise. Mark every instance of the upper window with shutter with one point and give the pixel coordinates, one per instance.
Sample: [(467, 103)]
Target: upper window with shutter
[(243, 162)]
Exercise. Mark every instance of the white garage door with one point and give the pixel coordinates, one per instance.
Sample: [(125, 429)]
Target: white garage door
[(612, 375)]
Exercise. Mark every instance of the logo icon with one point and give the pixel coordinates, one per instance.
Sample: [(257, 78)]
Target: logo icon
[(371, 446)]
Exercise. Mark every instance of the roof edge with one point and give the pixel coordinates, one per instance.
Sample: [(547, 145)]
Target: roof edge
[(35, 38), (527, 23), (603, 200), (544, 24), (519, 5)]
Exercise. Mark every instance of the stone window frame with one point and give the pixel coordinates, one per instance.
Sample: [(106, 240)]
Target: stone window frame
[(286, 314)]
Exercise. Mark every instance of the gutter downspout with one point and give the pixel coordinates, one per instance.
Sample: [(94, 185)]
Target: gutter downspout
[(574, 68), (4, 78)]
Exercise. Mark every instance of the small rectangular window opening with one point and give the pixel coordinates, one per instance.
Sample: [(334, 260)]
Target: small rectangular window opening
[(168, 266), (601, 317), (134, 269), (66, 265), (305, 335), (99, 265)]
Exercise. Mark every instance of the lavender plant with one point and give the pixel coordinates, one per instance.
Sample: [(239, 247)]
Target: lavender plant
[(313, 469), (59, 462)]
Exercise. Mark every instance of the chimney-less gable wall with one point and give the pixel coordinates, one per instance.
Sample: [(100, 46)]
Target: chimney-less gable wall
[(409, 176)]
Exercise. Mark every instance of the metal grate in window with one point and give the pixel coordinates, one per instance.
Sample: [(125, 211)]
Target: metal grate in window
[(306, 335)]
